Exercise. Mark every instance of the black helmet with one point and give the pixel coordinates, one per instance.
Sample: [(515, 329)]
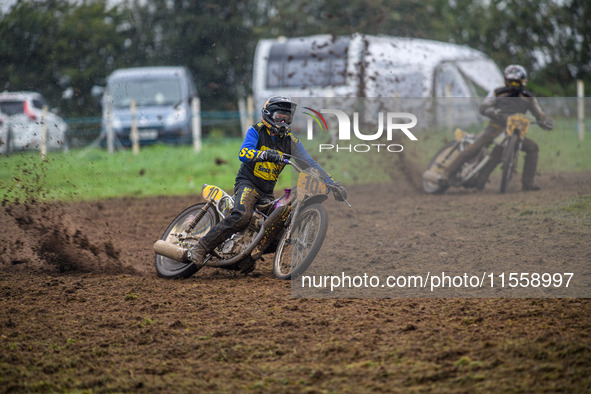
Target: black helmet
[(515, 75), (278, 114)]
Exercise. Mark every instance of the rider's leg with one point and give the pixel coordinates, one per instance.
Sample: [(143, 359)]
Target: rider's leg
[(245, 197), (484, 173), (485, 139), (530, 164)]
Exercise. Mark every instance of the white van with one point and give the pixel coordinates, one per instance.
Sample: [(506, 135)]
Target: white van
[(163, 97), (325, 66)]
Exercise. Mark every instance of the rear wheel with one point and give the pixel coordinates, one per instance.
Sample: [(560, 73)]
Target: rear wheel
[(176, 234), (510, 157), (295, 253), (441, 160)]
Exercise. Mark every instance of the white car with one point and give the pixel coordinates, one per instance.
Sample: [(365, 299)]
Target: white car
[(23, 115)]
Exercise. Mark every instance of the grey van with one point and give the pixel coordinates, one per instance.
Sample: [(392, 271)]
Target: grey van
[(163, 98)]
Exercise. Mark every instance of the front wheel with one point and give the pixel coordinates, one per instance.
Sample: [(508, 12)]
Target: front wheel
[(176, 234), (297, 250), (509, 162)]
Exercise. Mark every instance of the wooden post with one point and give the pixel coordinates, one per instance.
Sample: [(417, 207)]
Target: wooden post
[(135, 134), (196, 112), (250, 112), (581, 108), (243, 116), (109, 124), (449, 117), (43, 147)]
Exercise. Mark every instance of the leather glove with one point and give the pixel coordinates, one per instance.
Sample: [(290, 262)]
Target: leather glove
[(339, 192), (546, 123), (271, 155)]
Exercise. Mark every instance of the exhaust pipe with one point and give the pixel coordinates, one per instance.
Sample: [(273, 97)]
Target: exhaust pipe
[(171, 251)]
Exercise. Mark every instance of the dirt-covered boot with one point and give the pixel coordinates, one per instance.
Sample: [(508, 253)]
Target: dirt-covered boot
[(197, 254), (531, 187)]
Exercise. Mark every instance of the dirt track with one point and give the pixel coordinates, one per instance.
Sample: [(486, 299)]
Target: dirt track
[(82, 309)]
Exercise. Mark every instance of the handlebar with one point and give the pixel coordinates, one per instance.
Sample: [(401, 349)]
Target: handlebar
[(299, 169)]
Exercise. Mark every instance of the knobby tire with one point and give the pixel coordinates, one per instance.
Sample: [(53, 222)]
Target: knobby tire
[(312, 219), (172, 269)]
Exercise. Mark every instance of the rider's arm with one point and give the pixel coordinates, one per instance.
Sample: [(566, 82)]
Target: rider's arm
[(302, 156), (489, 108), (248, 150), (534, 106)]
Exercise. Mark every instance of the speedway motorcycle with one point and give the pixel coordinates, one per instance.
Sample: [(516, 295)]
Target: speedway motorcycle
[(293, 226), (511, 139)]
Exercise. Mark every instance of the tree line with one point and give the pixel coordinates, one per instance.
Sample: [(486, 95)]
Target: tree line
[(53, 46)]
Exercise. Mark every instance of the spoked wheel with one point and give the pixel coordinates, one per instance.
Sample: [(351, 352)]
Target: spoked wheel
[(296, 252), (176, 234), (510, 157)]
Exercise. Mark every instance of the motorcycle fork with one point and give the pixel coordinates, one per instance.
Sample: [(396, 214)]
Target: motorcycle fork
[(294, 214), (199, 215), (272, 227)]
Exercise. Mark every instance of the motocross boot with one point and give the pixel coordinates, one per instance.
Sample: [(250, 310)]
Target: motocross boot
[(532, 187), (197, 254), (480, 180)]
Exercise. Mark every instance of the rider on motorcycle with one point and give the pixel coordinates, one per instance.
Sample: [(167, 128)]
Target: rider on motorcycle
[(262, 157), (498, 106)]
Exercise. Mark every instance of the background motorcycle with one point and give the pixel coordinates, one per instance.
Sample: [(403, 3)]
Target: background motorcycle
[(293, 226), (511, 139)]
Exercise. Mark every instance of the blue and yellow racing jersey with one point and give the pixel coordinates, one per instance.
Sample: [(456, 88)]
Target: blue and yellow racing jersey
[(263, 175)]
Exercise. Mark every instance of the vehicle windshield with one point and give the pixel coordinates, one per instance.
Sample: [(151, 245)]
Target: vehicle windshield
[(146, 92), (12, 107), (484, 73)]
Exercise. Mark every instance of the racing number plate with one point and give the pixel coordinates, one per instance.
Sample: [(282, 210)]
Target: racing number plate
[(212, 192), (309, 185), (517, 122)]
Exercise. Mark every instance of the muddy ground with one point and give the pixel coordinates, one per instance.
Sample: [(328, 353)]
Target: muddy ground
[(81, 308)]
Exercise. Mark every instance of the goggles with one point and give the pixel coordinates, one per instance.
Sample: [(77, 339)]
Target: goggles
[(282, 117)]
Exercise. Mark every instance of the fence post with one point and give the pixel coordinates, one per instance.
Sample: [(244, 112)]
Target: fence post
[(43, 147), (581, 108), (449, 116), (249, 112), (109, 124), (243, 116), (135, 135), (196, 112)]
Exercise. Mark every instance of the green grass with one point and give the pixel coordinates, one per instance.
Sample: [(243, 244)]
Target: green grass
[(93, 174), (577, 210)]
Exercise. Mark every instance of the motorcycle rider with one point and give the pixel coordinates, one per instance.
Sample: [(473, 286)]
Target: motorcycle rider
[(498, 106), (262, 157)]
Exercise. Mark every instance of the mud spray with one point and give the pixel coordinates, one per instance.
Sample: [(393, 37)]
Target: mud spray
[(45, 236)]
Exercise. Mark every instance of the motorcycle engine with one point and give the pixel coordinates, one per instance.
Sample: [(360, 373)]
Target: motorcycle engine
[(241, 240)]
